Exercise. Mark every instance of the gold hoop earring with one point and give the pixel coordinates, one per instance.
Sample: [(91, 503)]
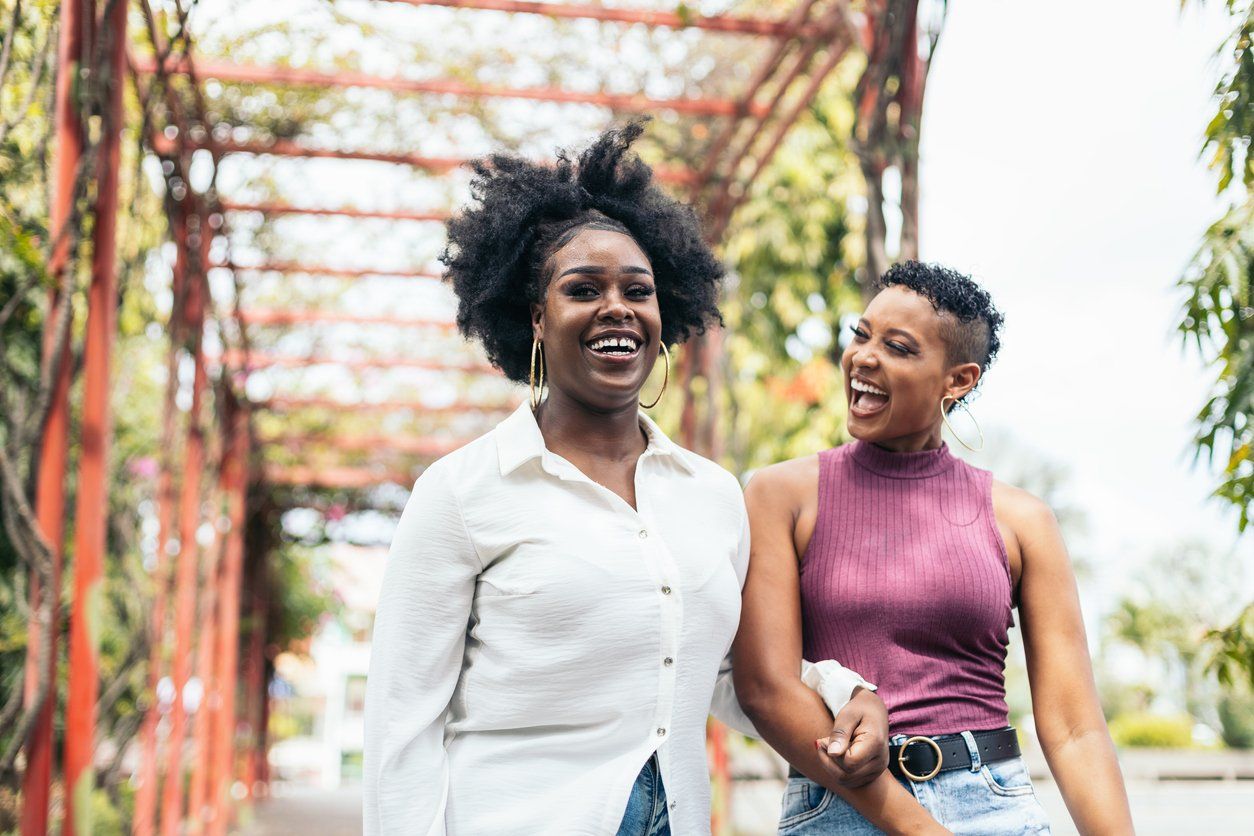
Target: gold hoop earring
[(666, 378), (537, 388), (953, 432)]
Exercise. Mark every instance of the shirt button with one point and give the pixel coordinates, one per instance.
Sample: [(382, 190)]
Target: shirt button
[(643, 534), (661, 732), (668, 661), (666, 590)]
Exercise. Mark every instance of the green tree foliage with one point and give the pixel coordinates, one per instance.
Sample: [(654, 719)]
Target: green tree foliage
[(1169, 618), (1218, 314), (792, 282)]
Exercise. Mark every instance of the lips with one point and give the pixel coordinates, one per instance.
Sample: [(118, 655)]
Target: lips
[(615, 346), (865, 398)]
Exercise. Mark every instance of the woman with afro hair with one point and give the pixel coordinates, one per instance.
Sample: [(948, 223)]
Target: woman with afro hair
[(561, 593), (905, 563)]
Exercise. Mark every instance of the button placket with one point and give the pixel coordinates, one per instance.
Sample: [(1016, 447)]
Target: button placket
[(657, 558)]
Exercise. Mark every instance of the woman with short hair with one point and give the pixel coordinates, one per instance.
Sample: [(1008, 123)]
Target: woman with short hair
[(905, 563)]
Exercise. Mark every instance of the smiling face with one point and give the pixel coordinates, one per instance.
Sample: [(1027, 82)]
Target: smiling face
[(897, 370), (600, 322)]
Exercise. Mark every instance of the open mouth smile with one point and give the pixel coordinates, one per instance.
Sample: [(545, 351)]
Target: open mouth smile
[(616, 347), (866, 399)]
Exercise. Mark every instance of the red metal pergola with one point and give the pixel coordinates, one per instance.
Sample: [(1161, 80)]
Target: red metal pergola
[(212, 452)]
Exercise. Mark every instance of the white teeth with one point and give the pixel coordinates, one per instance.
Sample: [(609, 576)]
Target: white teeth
[(859, 386), (615, 342)]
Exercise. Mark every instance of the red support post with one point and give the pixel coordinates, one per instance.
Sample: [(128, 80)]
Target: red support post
[(208, 625), (255, 683), (149, 773), (53, 454), (92, 499), (189, 521), (222, 752)]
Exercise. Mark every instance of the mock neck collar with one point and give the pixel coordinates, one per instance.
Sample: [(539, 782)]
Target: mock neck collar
[(915, 465)]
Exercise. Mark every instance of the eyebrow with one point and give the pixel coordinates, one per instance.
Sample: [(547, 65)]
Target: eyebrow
[(594, 270)]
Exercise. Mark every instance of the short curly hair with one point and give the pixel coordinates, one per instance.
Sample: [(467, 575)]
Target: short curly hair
[(972, 330), (498, 252)]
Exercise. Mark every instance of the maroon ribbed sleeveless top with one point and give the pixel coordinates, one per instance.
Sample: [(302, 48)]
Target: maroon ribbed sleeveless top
[(906, 581)]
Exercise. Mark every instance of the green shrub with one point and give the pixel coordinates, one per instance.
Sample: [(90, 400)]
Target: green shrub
[(1152, 730), (1236, 716)]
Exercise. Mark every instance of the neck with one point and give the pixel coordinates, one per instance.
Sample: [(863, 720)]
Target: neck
[(926, 439), (568, 424)]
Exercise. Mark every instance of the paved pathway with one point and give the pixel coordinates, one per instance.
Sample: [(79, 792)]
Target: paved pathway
[(1216, 808)]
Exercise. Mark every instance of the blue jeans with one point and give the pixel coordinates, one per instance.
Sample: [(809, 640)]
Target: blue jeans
[(989, 799), (646, 808)]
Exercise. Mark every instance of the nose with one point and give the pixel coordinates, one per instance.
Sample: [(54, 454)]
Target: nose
[(615, 307), (864, 357)]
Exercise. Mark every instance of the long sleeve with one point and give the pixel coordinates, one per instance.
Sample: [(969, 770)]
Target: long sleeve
[(833, 682), (416, 658)]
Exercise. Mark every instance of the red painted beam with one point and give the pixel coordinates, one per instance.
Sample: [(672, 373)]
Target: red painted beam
[(301, 77), (257, 316), (288, 404), (91, 511), (417, 445), (253, 360), (336, 212), (669, 20), (436, 165), (293, 267), (338, 477), (288, 148)]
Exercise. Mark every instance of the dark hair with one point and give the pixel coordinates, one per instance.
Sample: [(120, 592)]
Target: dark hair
[(973, 322), (498, 251)]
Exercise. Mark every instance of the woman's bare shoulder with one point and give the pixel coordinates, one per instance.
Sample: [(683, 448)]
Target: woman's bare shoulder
[(786, 481)]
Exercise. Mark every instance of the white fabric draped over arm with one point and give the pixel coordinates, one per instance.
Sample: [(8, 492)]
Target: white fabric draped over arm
[(415, 661), (834, 682)]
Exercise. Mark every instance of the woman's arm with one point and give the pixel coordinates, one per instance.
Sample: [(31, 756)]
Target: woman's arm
[(1065, 705), (767, 650), (835, 684), (415, 660)]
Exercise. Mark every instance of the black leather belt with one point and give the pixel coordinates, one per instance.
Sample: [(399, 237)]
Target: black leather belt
[(922, 758)]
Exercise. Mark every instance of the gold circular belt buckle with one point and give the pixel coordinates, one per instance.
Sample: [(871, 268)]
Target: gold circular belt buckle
[(901, 759)]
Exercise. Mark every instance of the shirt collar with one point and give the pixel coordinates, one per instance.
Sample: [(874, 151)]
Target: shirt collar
[(518, 441)]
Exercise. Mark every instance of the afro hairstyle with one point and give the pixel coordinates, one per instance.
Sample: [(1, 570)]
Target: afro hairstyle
[(522, 212), (970, 322)]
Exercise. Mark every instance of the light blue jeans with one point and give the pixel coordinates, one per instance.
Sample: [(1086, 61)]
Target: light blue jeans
[(987, 799), (646, 808)]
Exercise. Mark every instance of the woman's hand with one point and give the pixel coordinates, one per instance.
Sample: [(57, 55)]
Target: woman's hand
[(858, 744)]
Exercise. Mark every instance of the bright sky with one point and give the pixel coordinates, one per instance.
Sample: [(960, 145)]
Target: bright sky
[(1060, 167)]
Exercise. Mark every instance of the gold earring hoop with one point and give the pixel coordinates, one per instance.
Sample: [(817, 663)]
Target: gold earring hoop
[(537, 387), (666, 378), (952, 431)]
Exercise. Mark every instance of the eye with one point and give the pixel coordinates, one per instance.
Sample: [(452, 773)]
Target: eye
[(581, 290), (898, 348), (640, 291), (858, 333)]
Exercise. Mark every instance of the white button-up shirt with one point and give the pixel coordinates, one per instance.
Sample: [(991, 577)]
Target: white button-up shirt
[(537, 639)]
